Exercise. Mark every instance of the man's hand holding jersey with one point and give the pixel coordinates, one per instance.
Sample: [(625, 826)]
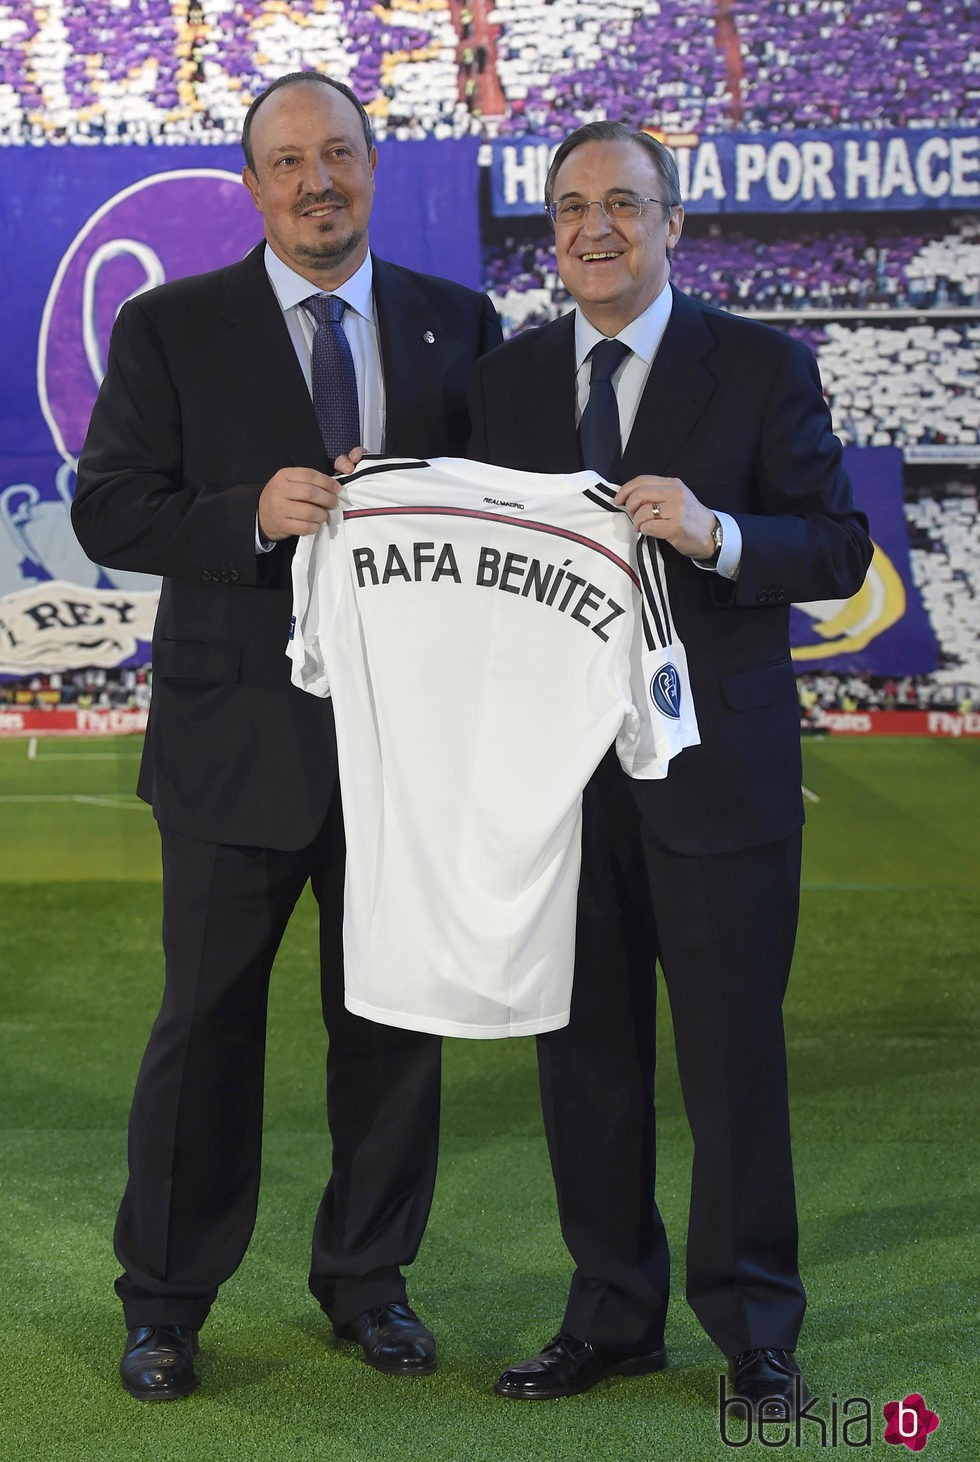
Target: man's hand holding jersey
[(349, 462), (295, 502), (666, 508)]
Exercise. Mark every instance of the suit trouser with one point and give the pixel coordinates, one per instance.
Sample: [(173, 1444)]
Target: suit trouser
[(195, 1127), (725, 927)]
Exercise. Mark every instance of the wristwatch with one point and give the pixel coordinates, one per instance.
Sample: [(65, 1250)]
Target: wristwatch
[(717, 538)]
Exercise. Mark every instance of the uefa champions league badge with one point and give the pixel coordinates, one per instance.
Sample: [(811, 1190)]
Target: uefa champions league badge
[(665, 691)]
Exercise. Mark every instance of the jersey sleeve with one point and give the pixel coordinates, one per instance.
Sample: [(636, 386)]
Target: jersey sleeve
[(663, 719), (310, 577)]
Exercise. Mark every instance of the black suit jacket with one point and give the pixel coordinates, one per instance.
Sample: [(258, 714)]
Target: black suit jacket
[(734, 409), (203, 401)]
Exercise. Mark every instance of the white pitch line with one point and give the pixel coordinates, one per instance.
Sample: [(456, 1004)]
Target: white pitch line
[(86, 756), (121, 803), (810, 796), (864, 887)]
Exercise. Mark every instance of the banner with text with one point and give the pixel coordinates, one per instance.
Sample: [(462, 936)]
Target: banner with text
[(810, 172)]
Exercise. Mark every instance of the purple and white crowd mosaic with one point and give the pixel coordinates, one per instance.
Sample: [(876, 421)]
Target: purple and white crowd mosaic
[(172, 69), (890, 307)]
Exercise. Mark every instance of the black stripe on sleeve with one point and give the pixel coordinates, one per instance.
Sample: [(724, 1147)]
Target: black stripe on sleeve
[(602, 495), (650, 565), (370, 466)]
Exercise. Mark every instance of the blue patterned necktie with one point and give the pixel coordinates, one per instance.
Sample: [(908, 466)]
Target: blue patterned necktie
[(599, 428), (334, 381)]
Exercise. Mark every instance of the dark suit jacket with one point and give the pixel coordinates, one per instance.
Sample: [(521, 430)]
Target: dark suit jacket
[(203, 401), (736, 411)]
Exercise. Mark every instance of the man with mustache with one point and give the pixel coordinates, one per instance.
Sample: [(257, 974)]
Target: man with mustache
[(210, 449)]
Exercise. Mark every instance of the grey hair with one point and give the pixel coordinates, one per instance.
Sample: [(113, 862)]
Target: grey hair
[(661, 156)]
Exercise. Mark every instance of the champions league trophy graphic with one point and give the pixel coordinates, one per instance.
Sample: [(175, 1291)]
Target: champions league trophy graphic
[(58, 610), (40, 530)]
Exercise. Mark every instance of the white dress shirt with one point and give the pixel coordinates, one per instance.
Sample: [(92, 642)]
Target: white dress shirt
[(360, 325), (643, 336)]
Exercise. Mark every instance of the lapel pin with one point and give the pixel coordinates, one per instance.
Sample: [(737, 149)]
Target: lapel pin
[(429, 338)]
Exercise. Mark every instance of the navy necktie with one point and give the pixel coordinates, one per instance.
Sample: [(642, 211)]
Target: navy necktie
[(599, 428), (334, 381)]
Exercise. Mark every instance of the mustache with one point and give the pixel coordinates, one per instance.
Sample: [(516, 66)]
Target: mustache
[(317, 200)]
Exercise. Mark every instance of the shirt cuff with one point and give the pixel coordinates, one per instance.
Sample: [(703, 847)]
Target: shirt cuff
[(730, 558), (262, 544)]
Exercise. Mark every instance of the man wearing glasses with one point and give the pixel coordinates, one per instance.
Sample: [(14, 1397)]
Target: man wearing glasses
[(718, 431)]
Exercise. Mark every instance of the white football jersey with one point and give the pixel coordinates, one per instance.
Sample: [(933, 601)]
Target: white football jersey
[(485, 635)]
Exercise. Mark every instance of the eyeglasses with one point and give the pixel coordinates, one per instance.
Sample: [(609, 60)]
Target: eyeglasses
[(617, 207)]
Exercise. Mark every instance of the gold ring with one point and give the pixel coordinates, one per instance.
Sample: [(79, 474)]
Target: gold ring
[(655, 510)]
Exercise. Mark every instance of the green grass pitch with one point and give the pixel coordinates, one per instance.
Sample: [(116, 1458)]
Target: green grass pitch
[(881, 1026)]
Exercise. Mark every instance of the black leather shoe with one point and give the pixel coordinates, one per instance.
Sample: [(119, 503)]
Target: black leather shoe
[(770, 1381), (393, 1339), (158, 1362), (568, 1366)]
